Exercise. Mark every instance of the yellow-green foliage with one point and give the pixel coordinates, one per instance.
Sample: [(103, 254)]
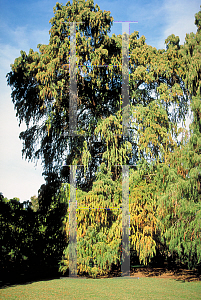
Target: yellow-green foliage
[(166, 182)]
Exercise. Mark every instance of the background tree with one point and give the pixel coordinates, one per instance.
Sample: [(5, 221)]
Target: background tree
[(34, 203), (32, 243)]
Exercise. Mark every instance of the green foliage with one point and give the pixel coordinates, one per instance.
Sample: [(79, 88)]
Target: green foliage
[(34, 203), (30, 240), (180, 202), (165, 184)]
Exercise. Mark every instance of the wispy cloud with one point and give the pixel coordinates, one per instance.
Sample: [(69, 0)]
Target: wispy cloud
[(179, 18), (24, 38), (18, 178)]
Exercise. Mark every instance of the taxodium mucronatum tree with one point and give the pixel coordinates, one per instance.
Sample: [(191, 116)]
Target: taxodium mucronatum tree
[(164, 169)]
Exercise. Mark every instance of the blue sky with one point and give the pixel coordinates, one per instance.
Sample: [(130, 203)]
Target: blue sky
[(25, 24)]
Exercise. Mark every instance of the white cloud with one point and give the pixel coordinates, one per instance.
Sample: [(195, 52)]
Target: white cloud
[(18, 178), (179, 17)]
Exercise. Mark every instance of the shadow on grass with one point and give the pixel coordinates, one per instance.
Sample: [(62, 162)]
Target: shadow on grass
[(173, 272), (12, 279)]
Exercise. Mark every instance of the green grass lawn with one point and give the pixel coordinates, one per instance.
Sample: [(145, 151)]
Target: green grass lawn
[(106, 288)]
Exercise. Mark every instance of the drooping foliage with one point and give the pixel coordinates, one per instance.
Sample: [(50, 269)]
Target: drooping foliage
[(180, 203), (164, 180)]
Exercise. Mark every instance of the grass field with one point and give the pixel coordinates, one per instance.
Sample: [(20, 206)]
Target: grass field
[(105, 288)]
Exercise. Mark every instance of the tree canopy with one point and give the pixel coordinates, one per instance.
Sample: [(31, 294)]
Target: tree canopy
[(165, 174)]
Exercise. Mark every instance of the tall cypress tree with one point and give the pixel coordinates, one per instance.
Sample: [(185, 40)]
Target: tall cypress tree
[(166, 180)]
